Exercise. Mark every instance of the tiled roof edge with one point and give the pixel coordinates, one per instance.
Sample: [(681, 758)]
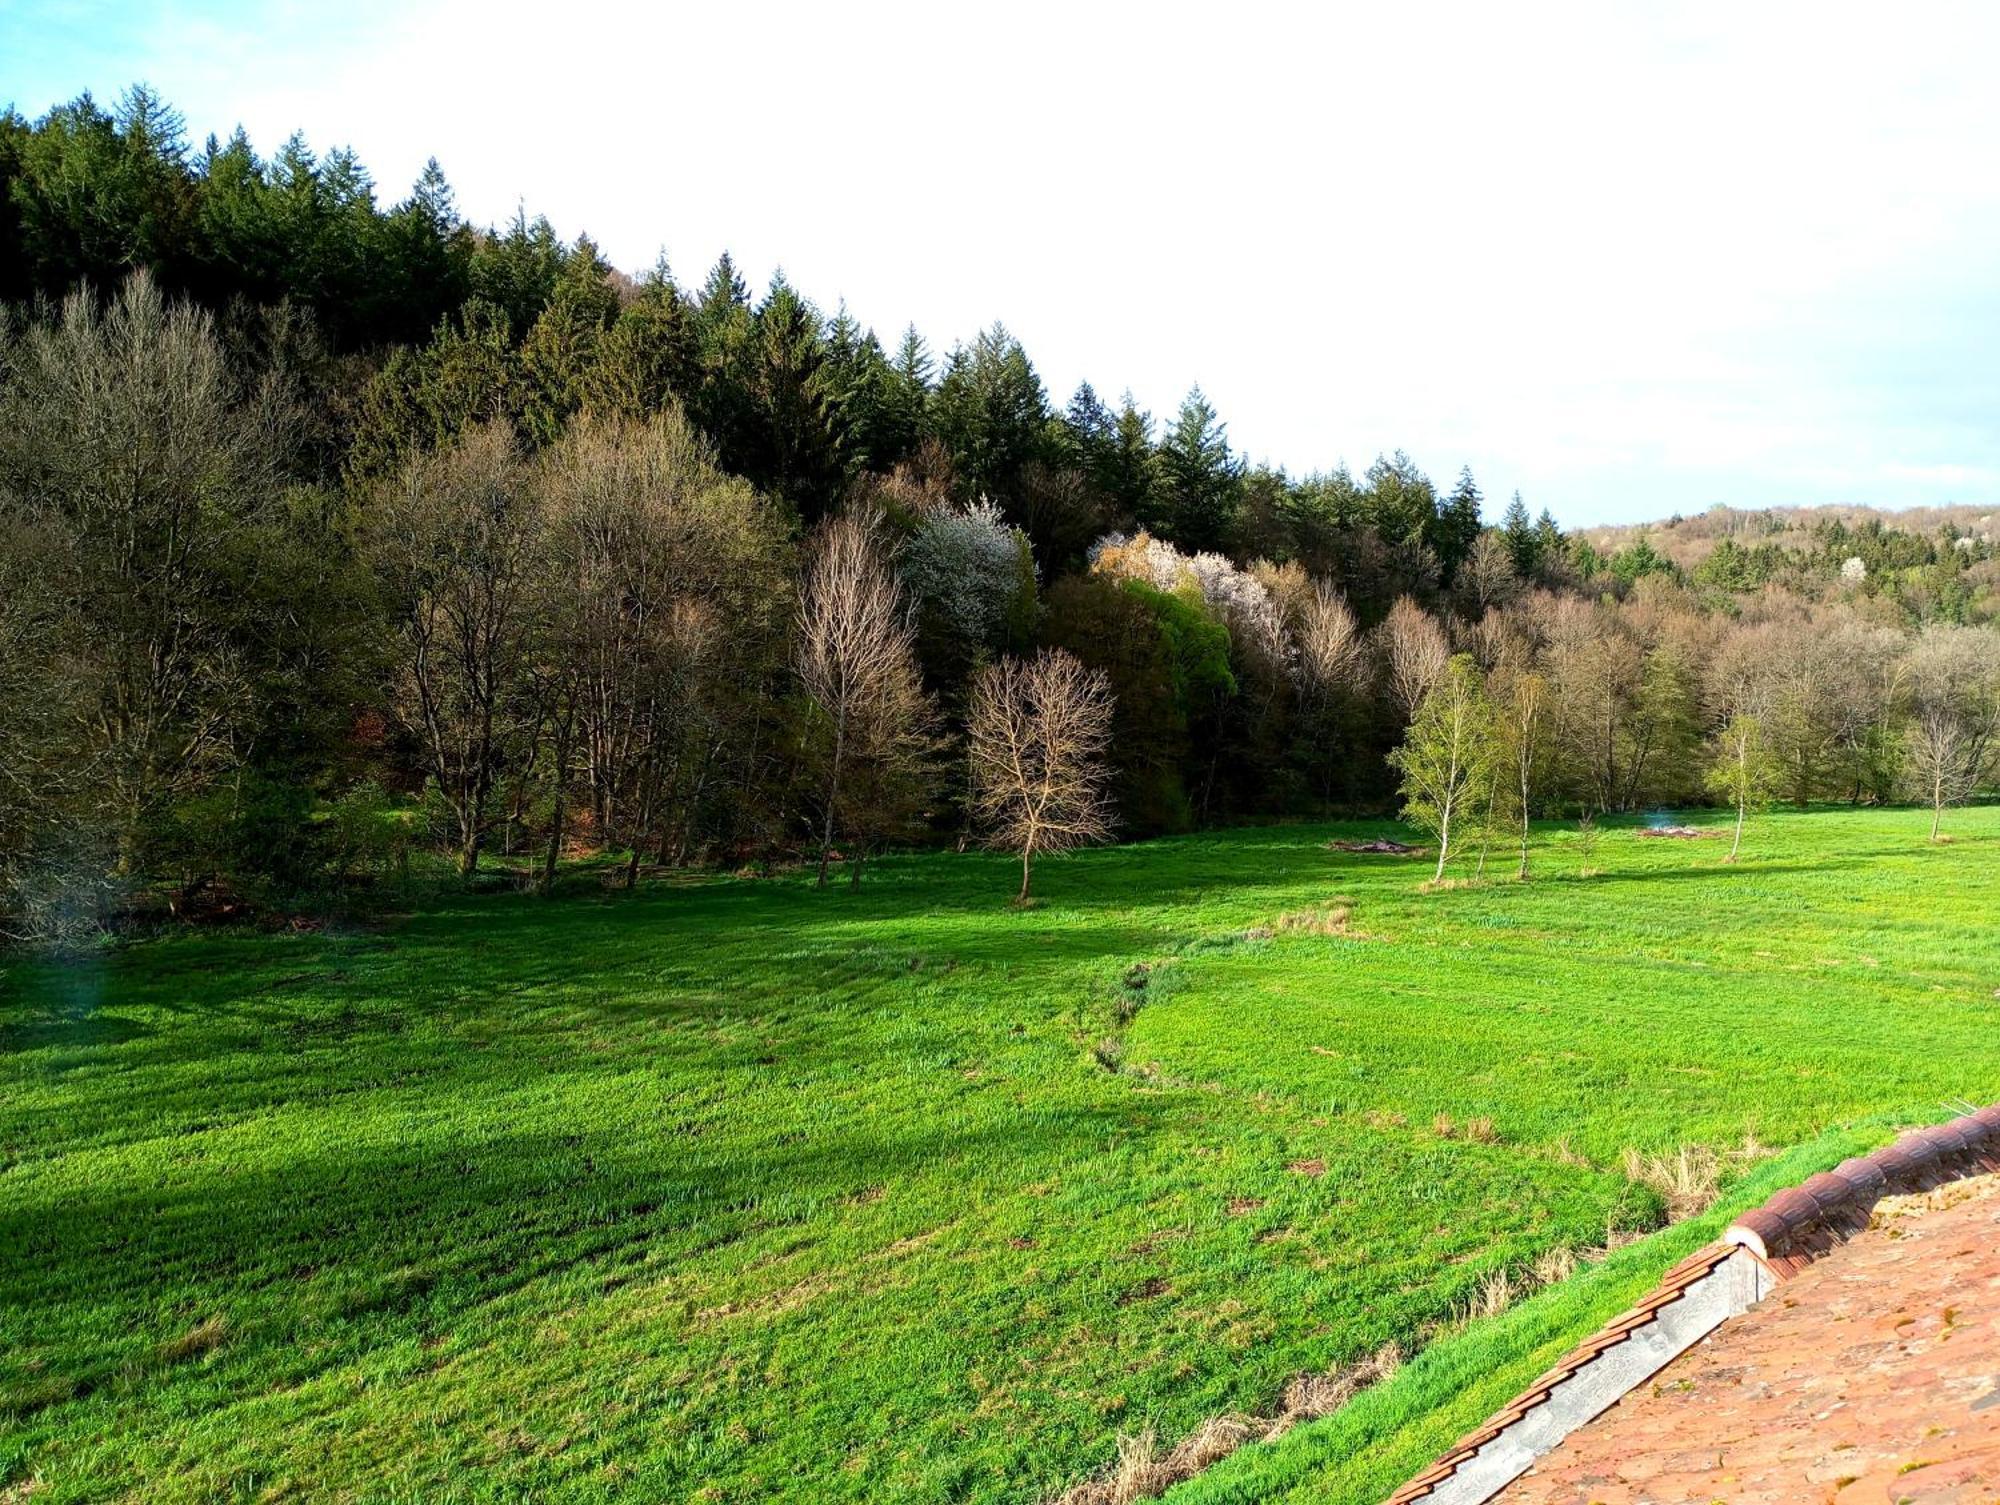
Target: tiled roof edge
[(1804, 1221), (1792, 1228)]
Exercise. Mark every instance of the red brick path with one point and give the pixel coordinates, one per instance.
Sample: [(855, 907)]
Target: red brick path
[(1871, 1377)]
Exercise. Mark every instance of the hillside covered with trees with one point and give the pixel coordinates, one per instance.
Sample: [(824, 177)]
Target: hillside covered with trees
[(332, 525)]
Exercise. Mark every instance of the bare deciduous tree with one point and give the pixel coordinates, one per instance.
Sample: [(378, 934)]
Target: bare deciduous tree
[(1414, 653), (1939, 768), (664, 602), (1487, 575), (129, 450), (856, 656), (1524, 701), (1956, 670), (453, 540), (1329, 643), (1039, 732)]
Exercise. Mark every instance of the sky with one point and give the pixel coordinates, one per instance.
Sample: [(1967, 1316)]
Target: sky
[(1630, 260)]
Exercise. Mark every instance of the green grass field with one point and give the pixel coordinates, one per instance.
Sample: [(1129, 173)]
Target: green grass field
[(732, 1190)]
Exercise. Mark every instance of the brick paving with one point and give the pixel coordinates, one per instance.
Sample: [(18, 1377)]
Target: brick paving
[(1871, 1377)]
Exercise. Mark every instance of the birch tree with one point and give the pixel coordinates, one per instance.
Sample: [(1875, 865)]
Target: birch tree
[(1745, 771), (1524, 738), (1447, 759)]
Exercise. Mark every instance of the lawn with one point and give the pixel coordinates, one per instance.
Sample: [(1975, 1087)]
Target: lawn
[(734, 1190)]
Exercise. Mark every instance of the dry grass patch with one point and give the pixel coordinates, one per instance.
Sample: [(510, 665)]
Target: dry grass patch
[(1144, 1472), (1329, 917), (203, 1337), (1564, 1153), (1688, 1180), (1478, 1130), (1449, 885), (1495, 1294), (1556, 1265)]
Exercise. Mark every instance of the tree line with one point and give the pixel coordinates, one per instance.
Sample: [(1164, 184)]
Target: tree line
[(332, 530)]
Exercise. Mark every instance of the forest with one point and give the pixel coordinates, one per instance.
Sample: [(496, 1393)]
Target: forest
[(336, 532)]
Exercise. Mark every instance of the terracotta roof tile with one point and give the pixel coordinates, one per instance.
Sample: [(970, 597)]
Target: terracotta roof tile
[(1862, 1174), (1785, 1234), (1852, 1379)]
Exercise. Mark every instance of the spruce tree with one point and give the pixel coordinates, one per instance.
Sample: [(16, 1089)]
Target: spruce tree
[(1550, 545), (1126, 475), (1520, 536), (1399, 501), (1201, 482), (1457, 524)]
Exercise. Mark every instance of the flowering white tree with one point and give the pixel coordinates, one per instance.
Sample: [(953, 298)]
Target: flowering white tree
[(968, 571), (1236, 597)]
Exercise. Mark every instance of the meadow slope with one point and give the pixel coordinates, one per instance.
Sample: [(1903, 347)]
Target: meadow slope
[(732, 1190)]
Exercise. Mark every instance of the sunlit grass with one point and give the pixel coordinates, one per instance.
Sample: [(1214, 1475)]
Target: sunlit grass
[(735, 1190)]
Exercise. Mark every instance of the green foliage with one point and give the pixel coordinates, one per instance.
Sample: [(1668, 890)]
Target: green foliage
[(1117, 629), (1200, 482), (470, 374), (991, 415), (1448, 758), (1400, 503), (1637, 560), (1524, 546), (1744, 772), (1731, 567), (1458, 524)]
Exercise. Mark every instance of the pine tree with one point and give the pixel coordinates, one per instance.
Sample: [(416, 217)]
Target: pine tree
[(1089, 425), (798, 456), (1457, 524), (517, 272), (867, 419), (725, 288), (1201, 482), (1126, 475), (1550, 545), (991, 414), (721, 404), (649, 357), (1521, 541), (1399, 501), (426, 255)]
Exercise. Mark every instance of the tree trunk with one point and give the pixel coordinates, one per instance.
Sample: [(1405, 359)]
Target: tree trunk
[(854, 862), (832, 794), (1937, 814), (1523, 873), (1027, 859), (1737, 844), (1444, 846), (468, 854), (548, 882)]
